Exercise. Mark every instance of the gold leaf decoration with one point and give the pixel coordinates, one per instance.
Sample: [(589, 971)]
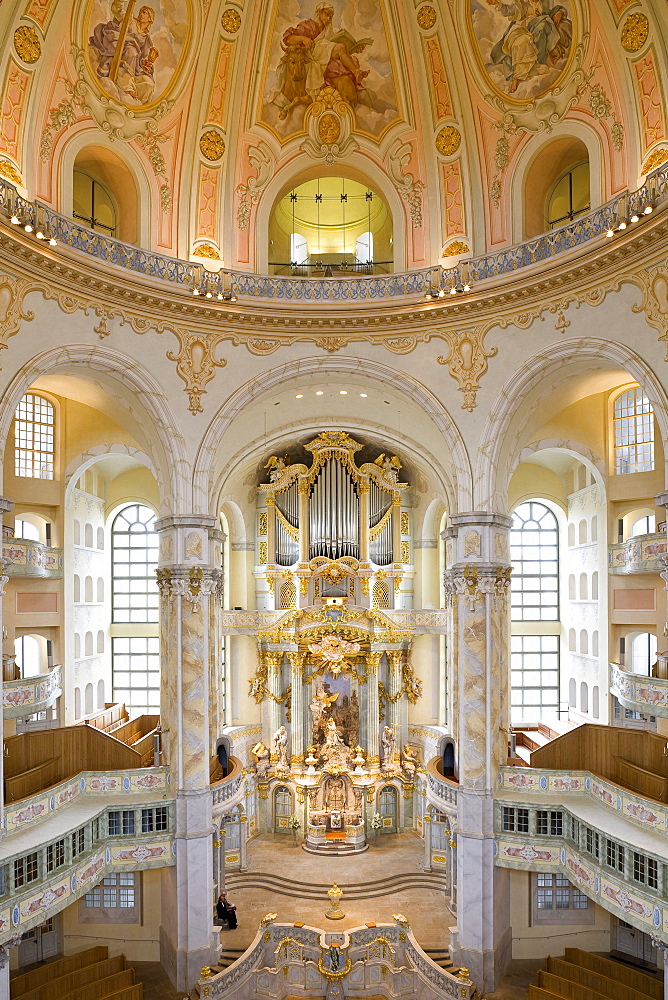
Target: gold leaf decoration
[(329, 128), (448, 140), (231, 21), (212, 144), (27, 44), (9, 171), (635, 32), (206, 250), (196, 363), (426, 17), (455, 248), (404, 522), (654, 160)]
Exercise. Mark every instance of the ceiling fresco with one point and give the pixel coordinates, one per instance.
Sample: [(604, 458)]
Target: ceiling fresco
[(341, 45), (134, 50)]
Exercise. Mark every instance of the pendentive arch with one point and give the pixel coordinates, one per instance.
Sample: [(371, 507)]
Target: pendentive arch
[(519, 400), (206, 476), (142, 398)]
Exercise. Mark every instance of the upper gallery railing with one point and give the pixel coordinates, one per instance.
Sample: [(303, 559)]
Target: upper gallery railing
[(28, 695), (640, 693), (27, 557), (642, 554), (434, 281)]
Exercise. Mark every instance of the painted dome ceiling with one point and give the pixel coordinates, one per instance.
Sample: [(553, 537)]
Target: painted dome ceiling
[(204, 113)]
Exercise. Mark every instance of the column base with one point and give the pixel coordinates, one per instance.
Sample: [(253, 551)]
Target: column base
[(184, 968), (486, 968)]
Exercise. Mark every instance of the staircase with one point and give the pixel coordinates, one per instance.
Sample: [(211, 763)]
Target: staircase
[(441, 957), (89, 975), (581, 975), (227, 958), (318, 891)]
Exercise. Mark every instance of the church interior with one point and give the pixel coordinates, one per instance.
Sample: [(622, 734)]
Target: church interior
[(334, 627)]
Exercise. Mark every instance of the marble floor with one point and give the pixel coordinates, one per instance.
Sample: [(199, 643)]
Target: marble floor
[(397, 853)]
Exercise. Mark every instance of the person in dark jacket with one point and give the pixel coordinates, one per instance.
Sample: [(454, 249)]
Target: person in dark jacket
[(226, 911)]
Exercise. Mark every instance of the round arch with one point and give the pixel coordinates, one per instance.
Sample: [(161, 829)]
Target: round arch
[(456, 480), (86, 460), (500, 444), (129, 382), (358, 166)]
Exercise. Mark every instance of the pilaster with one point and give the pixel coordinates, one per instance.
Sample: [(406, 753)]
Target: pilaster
[(297, 710), (373, 713), (477, 585), (5, 505)]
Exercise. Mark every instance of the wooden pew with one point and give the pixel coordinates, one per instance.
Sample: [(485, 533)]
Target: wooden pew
[(634, 978), (64, 986), (594, 980), (53, 970)]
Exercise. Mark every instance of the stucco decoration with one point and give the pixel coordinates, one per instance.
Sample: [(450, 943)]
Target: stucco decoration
[(231, 21), (654, 304), (12, 313), (261, 159), (655, 159), (9, 171), (329, 121), (195, 363), (635, 32), (211, 144), (27, 44), (448, 140), (339, 44), (455, 249), (206, 250), (426, 17), (409, 187), (134, 52), (466, 360), (523, 47)]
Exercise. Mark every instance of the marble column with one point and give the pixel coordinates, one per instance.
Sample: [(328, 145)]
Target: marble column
[(373, 709), (393, 706), (297, 709), (272, 662), (5, 506), (426, 830), (189, 581), (477, 586)]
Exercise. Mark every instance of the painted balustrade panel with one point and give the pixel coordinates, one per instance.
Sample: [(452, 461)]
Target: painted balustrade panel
[(647, 695), (617, 895), (29, 695), (44, 804), (558, 786), (25, 557), (643, 554)]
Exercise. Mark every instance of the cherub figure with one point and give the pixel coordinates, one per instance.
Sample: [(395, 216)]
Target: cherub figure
[(277, 467)]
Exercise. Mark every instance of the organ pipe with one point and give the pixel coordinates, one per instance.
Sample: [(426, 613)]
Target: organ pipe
[(287, 526), (334, 513)]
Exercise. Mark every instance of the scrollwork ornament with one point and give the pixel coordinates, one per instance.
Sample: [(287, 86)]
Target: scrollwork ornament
[(467, 361), (196, 363)]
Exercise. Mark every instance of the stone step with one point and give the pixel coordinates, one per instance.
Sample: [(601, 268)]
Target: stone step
[(360, 890)]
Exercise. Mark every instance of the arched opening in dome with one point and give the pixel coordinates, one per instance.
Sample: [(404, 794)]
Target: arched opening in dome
[(330, 225), (104, 194), (556, 186)]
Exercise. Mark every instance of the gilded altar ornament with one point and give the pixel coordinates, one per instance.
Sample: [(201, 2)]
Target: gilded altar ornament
[(334, 912), (27, 45), (448, 140), (231, 21), (635, 32), (333, 651), (426, 17), (211, 144)]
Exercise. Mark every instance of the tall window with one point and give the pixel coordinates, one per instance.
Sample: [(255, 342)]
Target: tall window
[(93, 204), (534, 552), (34, 438), (534, 659), (634, 432), (135, 657)]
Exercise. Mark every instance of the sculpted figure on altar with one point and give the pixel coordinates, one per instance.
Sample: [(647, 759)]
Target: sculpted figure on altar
[(334, 750), (389, 744), (281, 747)]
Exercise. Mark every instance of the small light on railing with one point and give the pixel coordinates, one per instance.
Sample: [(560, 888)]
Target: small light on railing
[(219, 296), (635, 217), (453, 290), (15, 221), (622, 225), (39, 234), (195, 291), (53, 242), (428, 296), (467, 288), (609, 233), (233, 298), (28, 227), (209, 295), (648, 210), (441, 293)]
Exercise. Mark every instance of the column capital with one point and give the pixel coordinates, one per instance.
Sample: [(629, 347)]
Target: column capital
[(187, 521), (6, 504)]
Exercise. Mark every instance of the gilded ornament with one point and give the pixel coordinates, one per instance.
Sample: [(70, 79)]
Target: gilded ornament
[(329, 128), (404, 522), (635, 32), (405, 552), (231, 21), (262, 556), (27, 44), (426, 17), (212, 144), (206, 250), (448, 140), (653, 161), (262, 523), (9, 171), (455, 249)]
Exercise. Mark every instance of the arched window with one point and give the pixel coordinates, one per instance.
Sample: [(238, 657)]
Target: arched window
[(88, 590), (571, 587), (634, 432), (584, 697), (298, 249), (594, 528), (583, 586), (100, 694), (77, 646), (582, 532), (594, 643), (100, 538), (28, 652), (77, 703), (571, 640), (569, 196), (571, 534), (594, 585), (643, 526), (88, 699), (77, 588), (93, 204), (24, 529), (388, 808), (88, 644), (584, 641), (643, 652), (100, 641), (572, 693), (34, 442), (595, 698), (135, 657), (77, 532), (100, 590), (534, 544), (88, 535)]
